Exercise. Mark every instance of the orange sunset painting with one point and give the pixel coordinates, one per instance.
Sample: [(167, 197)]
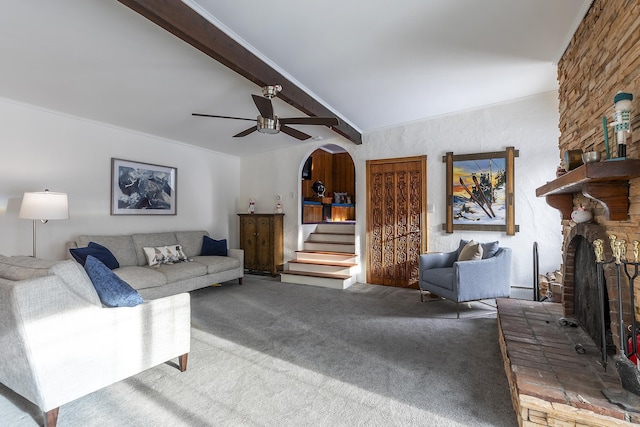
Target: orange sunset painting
[(479, 191)]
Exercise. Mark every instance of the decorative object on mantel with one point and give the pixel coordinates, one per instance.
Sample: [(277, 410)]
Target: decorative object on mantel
[(43, 206), (627, 370), (572, 159), (622, 122), (481, 191), (252, 206), (591, 157), (605, 182), (560, 171), (580, 215), (318, 188), (278, 207)]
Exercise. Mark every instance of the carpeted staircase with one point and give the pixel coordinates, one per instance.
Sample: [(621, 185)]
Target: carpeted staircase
[(327, 260)]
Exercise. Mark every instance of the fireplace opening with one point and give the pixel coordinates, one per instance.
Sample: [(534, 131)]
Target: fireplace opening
[(586, 304)]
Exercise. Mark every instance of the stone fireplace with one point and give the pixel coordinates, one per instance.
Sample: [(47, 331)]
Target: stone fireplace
[(580, 298)]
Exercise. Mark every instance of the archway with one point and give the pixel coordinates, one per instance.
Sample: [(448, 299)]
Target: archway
[(333, 166)]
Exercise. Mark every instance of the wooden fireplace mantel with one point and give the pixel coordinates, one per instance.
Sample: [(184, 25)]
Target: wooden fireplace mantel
[(606, 182)]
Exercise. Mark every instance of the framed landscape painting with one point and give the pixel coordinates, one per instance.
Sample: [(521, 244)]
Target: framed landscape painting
[(142, 188), (480, 191)]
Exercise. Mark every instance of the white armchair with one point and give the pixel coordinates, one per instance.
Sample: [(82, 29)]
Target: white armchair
[(58, 342)]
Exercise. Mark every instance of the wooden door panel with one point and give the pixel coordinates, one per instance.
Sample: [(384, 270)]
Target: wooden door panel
[(396, 220), (264, 245)]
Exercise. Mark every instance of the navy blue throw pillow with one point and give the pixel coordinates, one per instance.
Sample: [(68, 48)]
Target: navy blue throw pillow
[(96, 250), (213, 247), (112, 290)]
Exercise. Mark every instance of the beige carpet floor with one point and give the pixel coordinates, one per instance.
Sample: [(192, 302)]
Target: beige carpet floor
[(274, 354)]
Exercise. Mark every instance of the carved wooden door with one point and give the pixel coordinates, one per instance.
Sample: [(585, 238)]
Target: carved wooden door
[(396, 220)]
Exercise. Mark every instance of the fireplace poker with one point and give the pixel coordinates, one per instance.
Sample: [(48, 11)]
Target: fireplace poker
[(599, 250), (617, 248), (634, 339)]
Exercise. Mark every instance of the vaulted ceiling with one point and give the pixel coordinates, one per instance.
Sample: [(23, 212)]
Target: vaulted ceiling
[(373, 64)]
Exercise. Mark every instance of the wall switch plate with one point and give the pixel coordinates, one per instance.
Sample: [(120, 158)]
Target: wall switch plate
[(278, 197)]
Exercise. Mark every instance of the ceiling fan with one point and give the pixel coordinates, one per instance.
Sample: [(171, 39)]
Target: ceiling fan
[(268, 122)]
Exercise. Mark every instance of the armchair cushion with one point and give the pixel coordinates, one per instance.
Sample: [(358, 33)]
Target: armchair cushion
[(471, 251), (489, 249)]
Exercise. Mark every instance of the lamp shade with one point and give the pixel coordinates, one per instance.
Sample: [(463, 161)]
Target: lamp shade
[(44, 205)]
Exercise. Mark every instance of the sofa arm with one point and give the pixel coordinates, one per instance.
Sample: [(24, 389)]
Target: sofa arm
[(437, 260), (238, 254), (72, 348)]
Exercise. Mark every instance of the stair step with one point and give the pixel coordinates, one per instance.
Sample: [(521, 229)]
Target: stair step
[(330, 247), (331, 238), (315, 279), (336, 228), (315, 274), (328, 256), (322, 267), (322, 262)]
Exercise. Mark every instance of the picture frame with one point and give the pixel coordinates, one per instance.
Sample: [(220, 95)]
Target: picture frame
[(143, 188), (480, 191)]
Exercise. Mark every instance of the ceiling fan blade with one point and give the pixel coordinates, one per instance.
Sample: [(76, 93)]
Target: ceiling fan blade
[(265, 107), (246, 132), (327, 121), (221, 117), (294, 132)]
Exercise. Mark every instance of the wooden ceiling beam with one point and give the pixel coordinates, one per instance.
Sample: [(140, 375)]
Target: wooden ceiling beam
[(188, 25)]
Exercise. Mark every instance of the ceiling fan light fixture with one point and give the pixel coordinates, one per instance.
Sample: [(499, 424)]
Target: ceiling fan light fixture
[(271, 91), (267, 125)]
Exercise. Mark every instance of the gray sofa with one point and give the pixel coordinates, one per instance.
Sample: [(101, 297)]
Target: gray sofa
[(59, 343), (167, 279), (441, 274)]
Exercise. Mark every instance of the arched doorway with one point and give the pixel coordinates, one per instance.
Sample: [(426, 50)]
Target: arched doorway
[(333, 166)]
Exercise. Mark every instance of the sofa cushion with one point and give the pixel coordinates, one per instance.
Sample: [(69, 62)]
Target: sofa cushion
[(112, 290), (471, 251), (24, 267), (96, 250), (213, 247), (216, 264), (191, 241), (141, 277), (163, 255), (77, 281), (143, 240), (120, 246), (182, 271)]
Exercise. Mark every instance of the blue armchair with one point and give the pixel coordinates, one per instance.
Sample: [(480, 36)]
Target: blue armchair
[(462, 281)]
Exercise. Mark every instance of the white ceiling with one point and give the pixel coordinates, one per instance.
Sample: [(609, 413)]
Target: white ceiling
[(376, 63)]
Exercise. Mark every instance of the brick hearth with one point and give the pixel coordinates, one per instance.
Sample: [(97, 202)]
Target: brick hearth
[(551, 383)]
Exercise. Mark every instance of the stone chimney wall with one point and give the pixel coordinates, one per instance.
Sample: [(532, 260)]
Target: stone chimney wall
[(602, 59)]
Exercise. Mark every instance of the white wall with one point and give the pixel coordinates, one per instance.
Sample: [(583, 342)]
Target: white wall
[(530, 125), (43, 149)]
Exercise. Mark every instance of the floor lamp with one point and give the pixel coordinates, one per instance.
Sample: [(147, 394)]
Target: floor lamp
[(43, 206)]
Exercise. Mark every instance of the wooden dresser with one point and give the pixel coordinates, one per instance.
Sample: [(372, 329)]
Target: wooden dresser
[(261, 237)]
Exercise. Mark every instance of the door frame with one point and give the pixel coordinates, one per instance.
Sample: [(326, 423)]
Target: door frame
[(423, 204)]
